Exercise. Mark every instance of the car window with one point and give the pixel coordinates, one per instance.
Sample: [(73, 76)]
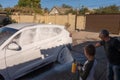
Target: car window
[(46, 32), (5, 33), (26, 37)]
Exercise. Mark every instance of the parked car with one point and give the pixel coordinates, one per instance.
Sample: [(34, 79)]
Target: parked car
[(25, 47), (4, 19)]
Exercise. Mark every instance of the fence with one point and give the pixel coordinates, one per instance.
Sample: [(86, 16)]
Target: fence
[(89, 22), (54, 19)]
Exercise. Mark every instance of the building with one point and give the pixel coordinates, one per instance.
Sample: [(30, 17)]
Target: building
[(59, 10)]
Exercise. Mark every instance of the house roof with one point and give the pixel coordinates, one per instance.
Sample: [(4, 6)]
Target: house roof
[(61, 10)]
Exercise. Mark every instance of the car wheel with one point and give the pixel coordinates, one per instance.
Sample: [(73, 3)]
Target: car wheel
[(1, 77), (64, 56), (61, 58)]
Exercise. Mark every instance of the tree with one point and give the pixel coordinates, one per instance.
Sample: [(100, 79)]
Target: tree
[(83, 10), (8, 10), (46, 10), (66, 6), (70, 11), (29, 6), (36, 3), (29, 3), (108, 9), (0, 6)]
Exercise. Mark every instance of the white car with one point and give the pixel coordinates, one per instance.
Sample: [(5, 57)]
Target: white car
[(25, 47)]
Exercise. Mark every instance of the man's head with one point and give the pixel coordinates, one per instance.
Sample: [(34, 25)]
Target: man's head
[(104, 34), (89, 51)]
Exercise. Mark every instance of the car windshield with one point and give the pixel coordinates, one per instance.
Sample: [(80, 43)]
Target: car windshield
[(5, 33)]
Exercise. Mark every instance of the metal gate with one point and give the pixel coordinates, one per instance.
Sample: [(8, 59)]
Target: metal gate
[(97, 22)]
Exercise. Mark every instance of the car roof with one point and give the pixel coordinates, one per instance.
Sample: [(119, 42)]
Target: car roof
[(19, 26)]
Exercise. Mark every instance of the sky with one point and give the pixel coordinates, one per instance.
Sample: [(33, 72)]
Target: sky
[(74, 3)]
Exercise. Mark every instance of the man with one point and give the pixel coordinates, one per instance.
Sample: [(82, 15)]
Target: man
[(112, 49)]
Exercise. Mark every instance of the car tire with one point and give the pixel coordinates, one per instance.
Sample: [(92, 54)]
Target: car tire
[(1, 77), (64, 56), (61, 58)]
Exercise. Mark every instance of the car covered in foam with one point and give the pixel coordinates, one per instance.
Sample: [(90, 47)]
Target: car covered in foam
[(25, 47)]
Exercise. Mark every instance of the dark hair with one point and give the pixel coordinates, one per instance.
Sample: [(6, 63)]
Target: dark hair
[(90, 49), (104, 33)]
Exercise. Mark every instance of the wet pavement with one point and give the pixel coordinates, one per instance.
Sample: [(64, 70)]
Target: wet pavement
[(53, 71)]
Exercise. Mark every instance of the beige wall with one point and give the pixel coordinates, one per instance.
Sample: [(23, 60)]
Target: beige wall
[(88, 22), (55, 19)]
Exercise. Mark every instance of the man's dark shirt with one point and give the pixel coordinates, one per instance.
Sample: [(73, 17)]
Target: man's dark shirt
[(112, 48)]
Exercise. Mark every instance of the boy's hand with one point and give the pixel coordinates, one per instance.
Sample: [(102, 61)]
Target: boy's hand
[(79, 67)]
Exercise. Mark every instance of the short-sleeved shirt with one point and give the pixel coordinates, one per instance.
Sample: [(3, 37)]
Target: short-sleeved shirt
[(112, 49)]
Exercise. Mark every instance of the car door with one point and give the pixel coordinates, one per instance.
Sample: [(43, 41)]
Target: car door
[(31, 54), (27, 57), (13, 57), (46, 40)]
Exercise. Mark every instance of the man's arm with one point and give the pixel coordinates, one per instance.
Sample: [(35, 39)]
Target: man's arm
[(100, 43)]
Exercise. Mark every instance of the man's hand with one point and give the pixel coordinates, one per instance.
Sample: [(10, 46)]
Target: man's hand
[(97, 44)]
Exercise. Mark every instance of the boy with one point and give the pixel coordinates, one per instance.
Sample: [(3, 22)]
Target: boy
[(88, 69)]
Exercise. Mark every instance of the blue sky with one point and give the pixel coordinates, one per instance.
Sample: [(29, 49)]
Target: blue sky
[(75, 3)]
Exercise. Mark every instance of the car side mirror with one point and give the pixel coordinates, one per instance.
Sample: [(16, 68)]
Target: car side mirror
[(14, 46)]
